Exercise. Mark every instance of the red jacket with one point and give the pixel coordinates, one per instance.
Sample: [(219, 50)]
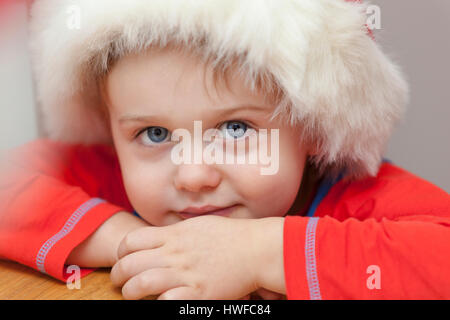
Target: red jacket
[(386, 237)]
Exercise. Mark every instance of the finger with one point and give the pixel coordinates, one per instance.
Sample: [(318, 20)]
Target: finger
[(180, 293), (140, 239), (150, 282), (247, 297), (135, 263)]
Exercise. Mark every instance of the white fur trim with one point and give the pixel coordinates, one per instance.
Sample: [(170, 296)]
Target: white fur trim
[(341, 86)]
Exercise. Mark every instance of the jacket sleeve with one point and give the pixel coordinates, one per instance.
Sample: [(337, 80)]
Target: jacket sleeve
[(391, 243), (51, 200)]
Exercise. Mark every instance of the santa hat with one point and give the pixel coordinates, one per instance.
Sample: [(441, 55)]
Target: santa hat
[(336, 81)]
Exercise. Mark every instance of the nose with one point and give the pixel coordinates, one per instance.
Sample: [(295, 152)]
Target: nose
[(196, 177)]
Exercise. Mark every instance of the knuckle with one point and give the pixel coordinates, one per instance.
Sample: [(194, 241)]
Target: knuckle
[(127, 242), (145, 281), (198, 287), (185, 267), (174, 250), (138, 287), (128, 293), (123, 267)]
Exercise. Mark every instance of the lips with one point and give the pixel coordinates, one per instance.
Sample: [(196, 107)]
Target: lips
[(192, 212)]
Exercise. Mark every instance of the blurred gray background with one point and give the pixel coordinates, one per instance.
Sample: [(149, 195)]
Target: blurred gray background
[(414, 33)]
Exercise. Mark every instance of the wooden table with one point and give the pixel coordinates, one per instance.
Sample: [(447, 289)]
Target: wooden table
[(18, 282)]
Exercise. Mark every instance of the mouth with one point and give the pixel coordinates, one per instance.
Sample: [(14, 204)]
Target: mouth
[(206, 210)]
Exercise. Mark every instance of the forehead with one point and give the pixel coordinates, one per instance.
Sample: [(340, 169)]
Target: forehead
[(173, 79)]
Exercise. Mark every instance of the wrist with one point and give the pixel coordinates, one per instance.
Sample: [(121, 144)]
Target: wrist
[(118, 227), (100, 248), (268, 249)]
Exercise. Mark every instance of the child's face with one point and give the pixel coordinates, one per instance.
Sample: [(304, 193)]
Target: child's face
[(167, 89)]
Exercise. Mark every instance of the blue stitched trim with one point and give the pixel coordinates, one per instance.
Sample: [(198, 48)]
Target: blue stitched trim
[(68, 226), (322, 191), (310, 241), (310, 258), (136, 214), (324, 188)]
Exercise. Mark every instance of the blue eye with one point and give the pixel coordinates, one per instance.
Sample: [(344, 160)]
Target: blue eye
[(235, 129), (156, 135)]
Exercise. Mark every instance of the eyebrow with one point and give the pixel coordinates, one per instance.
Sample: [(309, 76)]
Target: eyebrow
[(222, 112)]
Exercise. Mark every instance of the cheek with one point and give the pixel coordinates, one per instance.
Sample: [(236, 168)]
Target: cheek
[(273, 195), (146, 186), (266, 195)]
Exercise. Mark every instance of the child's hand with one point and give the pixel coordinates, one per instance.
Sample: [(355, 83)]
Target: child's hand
[(207, 257), (269, 295)]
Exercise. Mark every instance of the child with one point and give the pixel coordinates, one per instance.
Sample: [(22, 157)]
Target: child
[(332, 222)]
